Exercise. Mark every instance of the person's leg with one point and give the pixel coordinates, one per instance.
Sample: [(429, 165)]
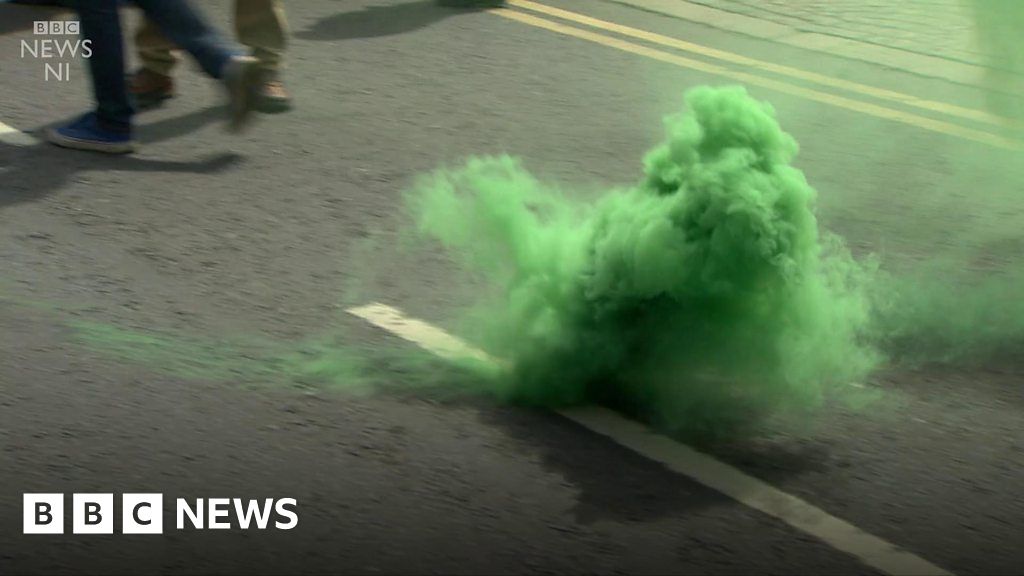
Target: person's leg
[(155, 51), (183, 25), (263, 26), (108, 129), (152, 83)]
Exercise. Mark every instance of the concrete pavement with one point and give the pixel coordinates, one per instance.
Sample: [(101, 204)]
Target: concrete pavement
[(942, 28), (936, 39)]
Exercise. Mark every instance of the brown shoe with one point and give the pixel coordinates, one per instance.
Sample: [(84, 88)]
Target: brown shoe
[(272, 97), (149, 89)]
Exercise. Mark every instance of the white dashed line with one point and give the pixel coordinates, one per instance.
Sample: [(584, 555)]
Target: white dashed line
[(682, 459), (9, 135)]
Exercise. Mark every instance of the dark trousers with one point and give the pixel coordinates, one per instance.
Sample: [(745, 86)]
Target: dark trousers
[(177, 19)]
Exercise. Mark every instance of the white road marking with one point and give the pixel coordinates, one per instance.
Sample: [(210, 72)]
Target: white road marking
[(754, 493), (430, 338), (682, 459), (9, 135)]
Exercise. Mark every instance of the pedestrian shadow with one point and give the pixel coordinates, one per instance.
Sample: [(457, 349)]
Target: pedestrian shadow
[(376, 21), (18, 17), (178, 126), (31, 173)]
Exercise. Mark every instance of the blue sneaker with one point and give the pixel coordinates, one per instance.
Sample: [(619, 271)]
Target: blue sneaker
[(87, 134)]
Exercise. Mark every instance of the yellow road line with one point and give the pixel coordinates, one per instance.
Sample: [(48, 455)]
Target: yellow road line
[(822, 79), (682, 459), (777, 85)]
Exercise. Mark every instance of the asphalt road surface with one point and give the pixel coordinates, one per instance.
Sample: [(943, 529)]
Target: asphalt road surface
[(203, 239)]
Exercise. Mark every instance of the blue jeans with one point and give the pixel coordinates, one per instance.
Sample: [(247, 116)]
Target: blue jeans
[(177, 19)]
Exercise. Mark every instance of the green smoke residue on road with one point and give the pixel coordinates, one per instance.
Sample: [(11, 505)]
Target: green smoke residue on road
[(311, 363), (944, 313), (700, 298)]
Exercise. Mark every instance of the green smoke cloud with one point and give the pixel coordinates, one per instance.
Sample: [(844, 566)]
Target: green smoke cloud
[(998, 26), (700, 297), (945, 313)]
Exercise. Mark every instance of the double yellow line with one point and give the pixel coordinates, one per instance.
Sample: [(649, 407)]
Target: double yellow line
[(675, 58)]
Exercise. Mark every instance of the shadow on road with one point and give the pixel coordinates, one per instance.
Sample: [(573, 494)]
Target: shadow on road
[(376, 21), (31, 173), (180, 125), (616, 483), (613, 482)]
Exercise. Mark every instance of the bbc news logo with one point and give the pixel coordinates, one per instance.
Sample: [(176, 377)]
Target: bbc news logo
[(56, 27), (144, 513), (57, 47)]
